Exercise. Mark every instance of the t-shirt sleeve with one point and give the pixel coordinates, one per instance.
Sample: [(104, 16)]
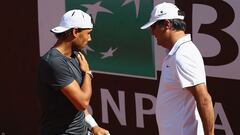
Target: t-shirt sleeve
[(61, 75), (190, 68)]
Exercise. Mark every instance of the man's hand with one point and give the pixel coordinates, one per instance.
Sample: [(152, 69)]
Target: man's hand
[(99, 131), (83, 62)]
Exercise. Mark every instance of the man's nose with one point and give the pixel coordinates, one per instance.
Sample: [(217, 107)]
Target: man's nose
[(89, 38)]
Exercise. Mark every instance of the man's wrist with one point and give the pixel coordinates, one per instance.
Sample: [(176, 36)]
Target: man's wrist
[(90, 121), (89, 72)]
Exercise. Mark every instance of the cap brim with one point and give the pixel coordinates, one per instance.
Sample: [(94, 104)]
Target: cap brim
[(148, 24), (59, 29)]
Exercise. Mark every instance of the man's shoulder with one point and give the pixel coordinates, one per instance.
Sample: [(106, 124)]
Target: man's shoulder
[(187, 49), (52, 56), (52, 59)]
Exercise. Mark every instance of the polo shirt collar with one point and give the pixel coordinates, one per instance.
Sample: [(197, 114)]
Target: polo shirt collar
[(180, 42)]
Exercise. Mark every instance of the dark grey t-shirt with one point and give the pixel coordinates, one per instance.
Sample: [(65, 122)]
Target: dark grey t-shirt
[(59, 115)]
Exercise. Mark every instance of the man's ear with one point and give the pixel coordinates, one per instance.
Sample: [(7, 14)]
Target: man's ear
[(167, 24), (75, 32)]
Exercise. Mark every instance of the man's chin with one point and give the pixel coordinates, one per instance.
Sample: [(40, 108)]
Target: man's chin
[(77, 48)]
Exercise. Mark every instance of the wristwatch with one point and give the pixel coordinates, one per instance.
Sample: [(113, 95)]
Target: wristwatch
[(89, 72)]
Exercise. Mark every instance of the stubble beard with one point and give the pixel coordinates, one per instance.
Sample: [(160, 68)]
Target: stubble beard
[(76, 47)]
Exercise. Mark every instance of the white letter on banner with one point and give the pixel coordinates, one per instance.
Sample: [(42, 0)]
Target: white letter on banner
[(139, 107), (225, 124), (119, 112)]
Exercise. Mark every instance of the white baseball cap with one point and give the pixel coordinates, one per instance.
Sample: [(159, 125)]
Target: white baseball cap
[(73, 19), (163, 11)]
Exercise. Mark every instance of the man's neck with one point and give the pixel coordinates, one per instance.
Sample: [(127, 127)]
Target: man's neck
[(176, 35), (64, 48)]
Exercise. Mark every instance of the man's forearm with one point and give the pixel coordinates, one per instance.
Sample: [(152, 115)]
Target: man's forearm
[(206, 111), (87, 85)]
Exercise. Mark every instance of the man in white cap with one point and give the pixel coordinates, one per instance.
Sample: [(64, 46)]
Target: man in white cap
[(65, 80), (183, 106)]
